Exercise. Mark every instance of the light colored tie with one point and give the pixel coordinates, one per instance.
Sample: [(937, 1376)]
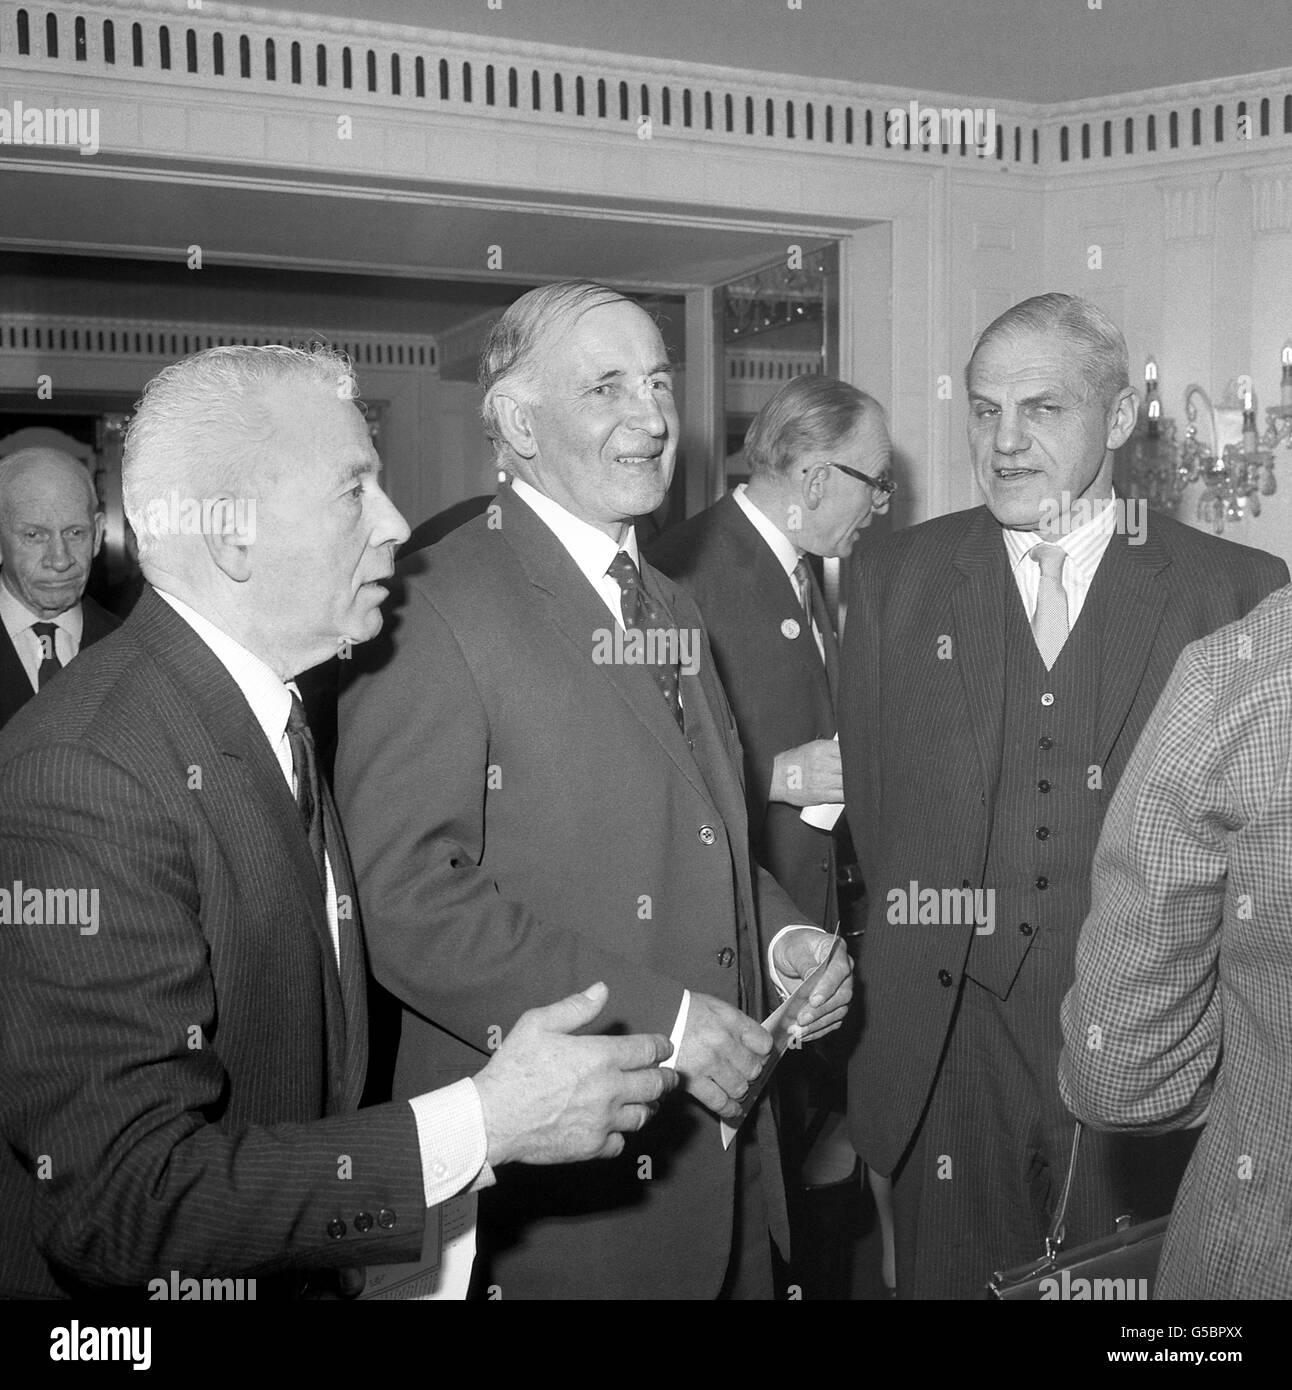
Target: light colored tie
[(1050, 621)]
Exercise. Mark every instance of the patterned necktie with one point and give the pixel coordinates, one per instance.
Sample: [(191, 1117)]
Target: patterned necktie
[(309, 801), (803, 582), (640, 613), (50, 665), (1050, 621)]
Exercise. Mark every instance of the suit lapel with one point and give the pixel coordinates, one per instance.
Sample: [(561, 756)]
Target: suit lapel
[(576, 610), (15, 688), (218, 703), (1130, 622), (96, 623), (770, 584), (978, 606)]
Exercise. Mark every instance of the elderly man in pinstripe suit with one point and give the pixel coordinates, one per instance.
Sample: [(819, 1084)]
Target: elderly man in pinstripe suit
[(1182, 1007), (182, 1066), (999, 664)]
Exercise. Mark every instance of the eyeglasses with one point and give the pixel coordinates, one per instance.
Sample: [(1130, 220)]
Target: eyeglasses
[(885, 484)]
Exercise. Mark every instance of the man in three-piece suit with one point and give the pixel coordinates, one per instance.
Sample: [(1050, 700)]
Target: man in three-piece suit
[(1181, 1012), (543, 779), (818, 452), (182, 977), (50, 531), (999, 665)]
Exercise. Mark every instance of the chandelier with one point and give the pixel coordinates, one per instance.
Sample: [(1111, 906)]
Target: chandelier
[(1234, 476), (772, 298)]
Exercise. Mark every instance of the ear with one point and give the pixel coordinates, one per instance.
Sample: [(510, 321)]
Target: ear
[(515, 425), (100, 525), (1121, 418), (228, 547), (814, 484)]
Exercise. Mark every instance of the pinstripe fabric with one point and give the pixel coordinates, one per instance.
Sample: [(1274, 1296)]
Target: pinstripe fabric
[(184, 1069), (1182, 1006), (923, 734)]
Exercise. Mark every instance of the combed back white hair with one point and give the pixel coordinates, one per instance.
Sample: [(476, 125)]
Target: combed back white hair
[(201, 427), (513, 353), (23, 459), (807, 414), (1101, 348)]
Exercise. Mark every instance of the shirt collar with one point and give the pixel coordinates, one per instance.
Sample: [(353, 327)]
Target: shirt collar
[(264, 690), (1085, 544), (17, 617), (590, 549), (781, 546)]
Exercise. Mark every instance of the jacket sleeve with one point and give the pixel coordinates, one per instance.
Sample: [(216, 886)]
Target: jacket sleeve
[(112, 1092), (1142, 1022)]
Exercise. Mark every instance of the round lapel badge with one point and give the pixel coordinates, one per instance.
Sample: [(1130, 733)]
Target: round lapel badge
[(790, 629)]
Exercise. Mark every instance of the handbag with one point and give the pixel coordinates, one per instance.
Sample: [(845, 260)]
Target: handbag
[(1122, 1266)]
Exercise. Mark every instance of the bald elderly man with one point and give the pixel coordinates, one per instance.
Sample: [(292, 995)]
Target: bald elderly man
[(50, 531)]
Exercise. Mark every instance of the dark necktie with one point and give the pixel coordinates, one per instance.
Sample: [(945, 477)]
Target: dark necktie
[(813, 602), (641, 613), (309, 800), (50, 665)]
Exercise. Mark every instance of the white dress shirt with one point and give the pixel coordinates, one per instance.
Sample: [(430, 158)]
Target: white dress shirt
[(1085, 546), (18, 618), (450, 1122)]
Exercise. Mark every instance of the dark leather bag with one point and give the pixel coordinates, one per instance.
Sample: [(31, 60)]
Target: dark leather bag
[(1122, 1266)]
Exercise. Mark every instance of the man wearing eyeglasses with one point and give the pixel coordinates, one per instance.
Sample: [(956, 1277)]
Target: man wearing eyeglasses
[(818, 454)]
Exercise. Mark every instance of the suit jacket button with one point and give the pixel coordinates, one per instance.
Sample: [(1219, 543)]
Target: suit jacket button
[(1046, 742), (385, 1218), (944, 979), (1026, 928), (336, 1228), (363, 1222), (708, 835), (1042, 883), (1043, 833), (1043, 785), (726, 957)]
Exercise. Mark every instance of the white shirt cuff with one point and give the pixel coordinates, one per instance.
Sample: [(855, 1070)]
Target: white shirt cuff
[(452, 1140), (679, 1028), (771, 957)]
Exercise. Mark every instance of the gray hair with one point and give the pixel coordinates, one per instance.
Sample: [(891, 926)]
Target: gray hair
[(201, 429), (807, 413), (21, 460), (512, 359), (1105, 364)]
